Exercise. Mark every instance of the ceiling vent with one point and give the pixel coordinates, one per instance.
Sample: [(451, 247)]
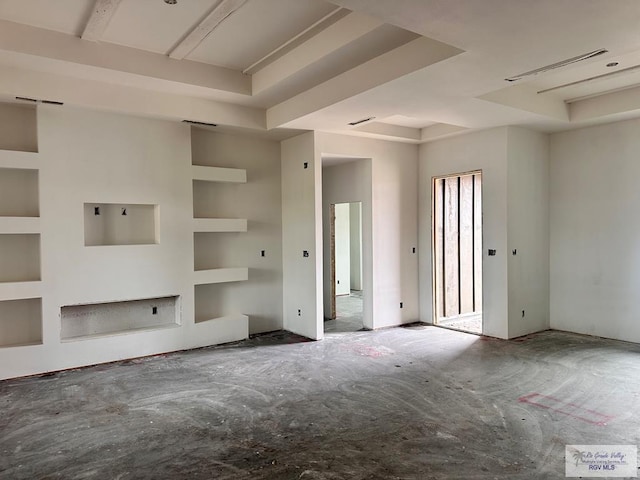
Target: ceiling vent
[(35, 100), (358, 122), (604, 76), (203, 124), (553, 66)]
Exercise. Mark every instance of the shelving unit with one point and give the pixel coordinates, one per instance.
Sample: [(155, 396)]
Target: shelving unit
[(220, 275), (219, 174), (209, 283), (20, 229)]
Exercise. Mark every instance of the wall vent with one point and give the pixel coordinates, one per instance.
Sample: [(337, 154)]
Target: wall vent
[(553, 66)]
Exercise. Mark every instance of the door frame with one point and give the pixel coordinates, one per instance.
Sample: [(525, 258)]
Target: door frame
[(434, 296)]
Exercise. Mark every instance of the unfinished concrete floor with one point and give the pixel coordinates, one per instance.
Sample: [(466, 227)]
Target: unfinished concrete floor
[(348, 314), (403, 403)]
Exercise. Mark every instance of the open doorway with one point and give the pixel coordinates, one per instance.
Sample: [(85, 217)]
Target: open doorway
[(457, 251), (346, 313)]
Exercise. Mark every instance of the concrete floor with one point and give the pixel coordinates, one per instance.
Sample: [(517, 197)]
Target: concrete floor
[(348, 314), (402, 403), (470, 322)]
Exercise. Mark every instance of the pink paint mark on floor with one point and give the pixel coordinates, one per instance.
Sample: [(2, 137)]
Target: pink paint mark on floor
[(566, 408), (368, 351)]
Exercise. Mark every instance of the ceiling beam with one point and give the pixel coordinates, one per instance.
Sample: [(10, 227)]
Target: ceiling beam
[(102, 13), (201, 31), (401, 61), (335, 36), (123, 99), (115, 62)]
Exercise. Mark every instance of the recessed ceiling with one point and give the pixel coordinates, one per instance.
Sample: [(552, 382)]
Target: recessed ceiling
[(154, 25), (256, 29), (415, 65), (66, 16)]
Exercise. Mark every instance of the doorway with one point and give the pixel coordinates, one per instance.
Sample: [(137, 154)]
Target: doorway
[(457, 251), (346, 313)]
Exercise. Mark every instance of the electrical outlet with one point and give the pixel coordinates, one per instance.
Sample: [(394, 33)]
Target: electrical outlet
[(262, 253), (492, 252), (299, 312), (306, 164), (338, 282), (522, 313), (305, 253), (154, 310), (413, 250), (401, 304)]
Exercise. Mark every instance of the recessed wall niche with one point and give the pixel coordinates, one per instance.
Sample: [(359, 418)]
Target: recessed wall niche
[(120, 224), (89, 320), (19, 192), (20, 322)]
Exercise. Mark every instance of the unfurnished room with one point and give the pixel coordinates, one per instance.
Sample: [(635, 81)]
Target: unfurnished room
[(319, 239)]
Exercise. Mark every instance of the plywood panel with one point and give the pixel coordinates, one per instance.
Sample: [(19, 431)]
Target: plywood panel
[(451, 248), (477, 241), (466, 244)]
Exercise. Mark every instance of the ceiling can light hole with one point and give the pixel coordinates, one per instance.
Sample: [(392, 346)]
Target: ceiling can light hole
[(612, 64), (170, 2)]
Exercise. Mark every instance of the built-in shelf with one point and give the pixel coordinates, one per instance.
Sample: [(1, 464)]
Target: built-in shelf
[(19, 225), (98, 319), (16, 159), (234, 317), (216, 305), (19, 130), (120, 224), (219, 174), (220, 275), (19, 257), (20, 290), (20, 322), (19, 195), (214, 225)]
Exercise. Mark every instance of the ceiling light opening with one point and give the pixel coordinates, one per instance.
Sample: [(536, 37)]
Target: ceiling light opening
[(612, 64), (358, 122), (170, 2)]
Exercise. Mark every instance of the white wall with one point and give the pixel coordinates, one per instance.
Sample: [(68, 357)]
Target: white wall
[(302, 231), (394, 233), (103, 158), (486, 151), (345, 183), (93, 157), (258, 201), (515, 212), (355, 240), (343, 249), (528, 231), (595, 231)]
